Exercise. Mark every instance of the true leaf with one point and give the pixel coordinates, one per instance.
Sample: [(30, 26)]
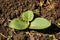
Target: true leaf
[(27, 15), (40, 23), (18, 24)]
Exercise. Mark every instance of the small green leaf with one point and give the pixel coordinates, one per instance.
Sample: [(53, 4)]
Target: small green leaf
[(28, 15), (18, 24), (40, 23)]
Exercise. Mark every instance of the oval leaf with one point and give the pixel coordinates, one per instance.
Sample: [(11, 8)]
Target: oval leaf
[(40, 23), (18, 24), (28, 15)]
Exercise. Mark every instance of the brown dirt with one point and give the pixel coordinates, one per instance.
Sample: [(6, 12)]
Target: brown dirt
[(49, 9)]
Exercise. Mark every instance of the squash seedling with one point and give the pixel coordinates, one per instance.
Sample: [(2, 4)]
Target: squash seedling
[(18, 24), (24, 23), (38, 23), (28, 15)]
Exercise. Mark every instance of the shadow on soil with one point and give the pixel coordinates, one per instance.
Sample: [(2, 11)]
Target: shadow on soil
[(53, 29)]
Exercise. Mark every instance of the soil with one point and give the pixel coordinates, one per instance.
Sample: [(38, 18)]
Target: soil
[(49, 9)]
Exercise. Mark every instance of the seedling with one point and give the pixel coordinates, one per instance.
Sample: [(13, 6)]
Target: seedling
[(38, 23), (28, 15), (18, 24)]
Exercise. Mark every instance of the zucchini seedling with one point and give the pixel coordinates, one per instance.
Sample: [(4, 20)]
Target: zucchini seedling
[(23, 23), (38, 23)]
